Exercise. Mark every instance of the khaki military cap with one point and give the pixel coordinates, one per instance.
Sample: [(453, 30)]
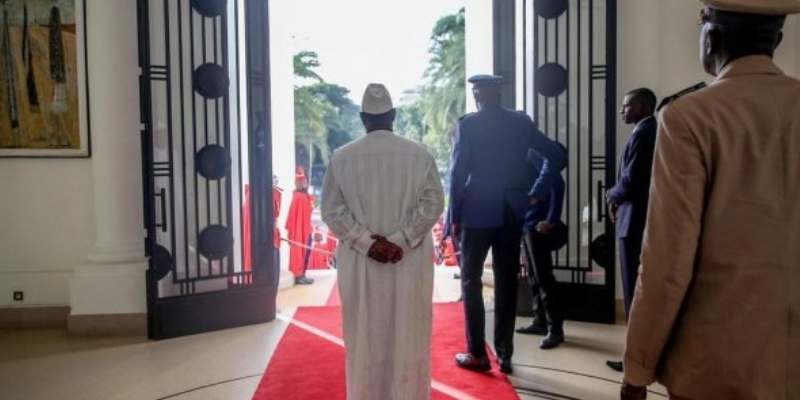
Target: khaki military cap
[(761, 7)]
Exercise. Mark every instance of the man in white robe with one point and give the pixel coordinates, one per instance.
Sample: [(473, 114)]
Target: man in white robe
[(381, 197)]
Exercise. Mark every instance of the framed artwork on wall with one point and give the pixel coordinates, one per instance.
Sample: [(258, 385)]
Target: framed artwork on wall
[(44, 99)]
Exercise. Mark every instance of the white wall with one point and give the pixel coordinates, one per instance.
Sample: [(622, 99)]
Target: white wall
[(283, 155), (658, 47), (46, 227), (788, 54), (47, 220), (479, 44)]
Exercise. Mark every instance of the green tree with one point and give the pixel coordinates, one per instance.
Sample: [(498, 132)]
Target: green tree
[(325, 118), (444, 97), (309, 109), (342, 117), (443, 100), (410, 121)]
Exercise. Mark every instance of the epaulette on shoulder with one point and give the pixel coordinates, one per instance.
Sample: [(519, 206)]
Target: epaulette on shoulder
[(465, 116), (670, 99)]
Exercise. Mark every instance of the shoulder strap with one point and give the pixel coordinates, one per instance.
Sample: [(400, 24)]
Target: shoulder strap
[(683, 92)]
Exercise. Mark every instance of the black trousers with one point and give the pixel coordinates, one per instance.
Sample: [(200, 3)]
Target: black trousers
[(630, 251), (544, 287), (475, 245), (310, 247)]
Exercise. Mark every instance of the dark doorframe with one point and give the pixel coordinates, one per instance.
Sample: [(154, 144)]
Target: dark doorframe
[(193, 170), (504, 42), (568, 80)]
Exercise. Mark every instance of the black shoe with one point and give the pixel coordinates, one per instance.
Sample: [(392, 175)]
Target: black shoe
[(302, 280), (505, 365), (615, 365), (551, 341), (472, 363), (532, 329)]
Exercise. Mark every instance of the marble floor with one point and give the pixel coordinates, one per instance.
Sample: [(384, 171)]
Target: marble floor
[(49, 364)]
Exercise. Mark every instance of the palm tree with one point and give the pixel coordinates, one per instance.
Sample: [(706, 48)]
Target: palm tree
[(445, 97), (444, 100), (309, 109)]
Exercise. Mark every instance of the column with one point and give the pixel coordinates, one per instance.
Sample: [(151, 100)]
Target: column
[(282, 85), (111, 284)]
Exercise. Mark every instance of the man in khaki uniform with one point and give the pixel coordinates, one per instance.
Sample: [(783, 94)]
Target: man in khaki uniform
[(716, 312)]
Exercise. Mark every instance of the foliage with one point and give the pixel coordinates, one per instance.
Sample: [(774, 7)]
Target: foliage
[(410, 121), (325, 118), (342, 119), (445, 96), (443, 100)]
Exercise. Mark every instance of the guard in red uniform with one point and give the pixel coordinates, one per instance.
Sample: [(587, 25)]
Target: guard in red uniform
[(319, 254), (298, 228)]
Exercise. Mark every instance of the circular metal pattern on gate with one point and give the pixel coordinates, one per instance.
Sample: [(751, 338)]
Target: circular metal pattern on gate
[(210, 8), (551, 79), (210, 80), (213, 162), (162, 260), (549, 9), (215, 242), (601, 251)]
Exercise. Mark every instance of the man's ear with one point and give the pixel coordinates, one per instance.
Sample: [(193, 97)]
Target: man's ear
[(778, 39), (712, 44)]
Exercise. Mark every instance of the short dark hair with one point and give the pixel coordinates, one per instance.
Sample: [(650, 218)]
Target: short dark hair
[(374, 122), (644, 95), (745, 41), (488, 93), (744, 34)]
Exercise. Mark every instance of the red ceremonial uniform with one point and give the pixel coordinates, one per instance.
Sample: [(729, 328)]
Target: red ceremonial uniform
[(246, 242), (319, 256), (450, 258), (298, 230), (246, 229), (330, 244), (277, 194)]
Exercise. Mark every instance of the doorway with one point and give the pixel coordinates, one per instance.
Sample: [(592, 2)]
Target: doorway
[(220, 84)]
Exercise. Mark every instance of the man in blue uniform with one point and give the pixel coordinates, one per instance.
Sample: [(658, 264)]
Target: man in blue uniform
[(544, 234), (490, 192), (627, 200)]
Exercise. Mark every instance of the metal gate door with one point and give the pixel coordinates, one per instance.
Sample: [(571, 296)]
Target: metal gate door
[(208, 234), (569, 88)]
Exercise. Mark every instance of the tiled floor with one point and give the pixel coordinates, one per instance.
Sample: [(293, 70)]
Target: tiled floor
[(49, 365)]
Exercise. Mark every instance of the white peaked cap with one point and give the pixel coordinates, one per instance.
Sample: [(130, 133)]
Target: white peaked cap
[(376, 99)]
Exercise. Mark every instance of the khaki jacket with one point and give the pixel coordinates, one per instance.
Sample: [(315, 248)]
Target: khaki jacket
[(716, 313)]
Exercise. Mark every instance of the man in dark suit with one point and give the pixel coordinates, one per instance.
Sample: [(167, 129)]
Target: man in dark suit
[(627, 200), (544, 234), (490, 191)]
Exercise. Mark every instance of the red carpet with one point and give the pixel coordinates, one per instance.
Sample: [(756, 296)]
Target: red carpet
[(309, 361)]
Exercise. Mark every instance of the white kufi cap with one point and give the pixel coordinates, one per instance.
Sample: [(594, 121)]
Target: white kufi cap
[(376, 99)]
